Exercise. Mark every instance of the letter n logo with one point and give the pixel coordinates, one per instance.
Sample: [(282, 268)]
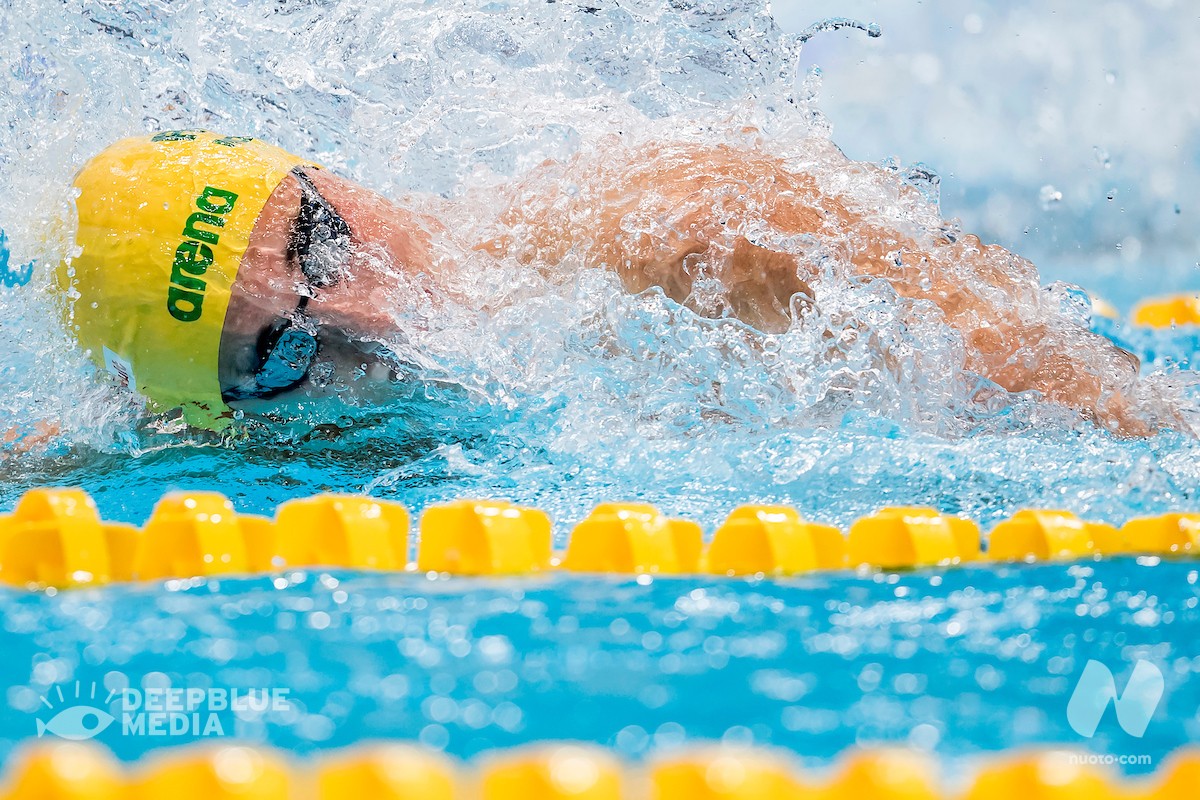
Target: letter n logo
[(1097, 687)]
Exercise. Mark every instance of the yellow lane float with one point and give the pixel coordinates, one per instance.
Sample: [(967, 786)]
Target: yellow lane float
[(482, 537), (908, 537), (49, 770), (634, 538), (55, 538), (1164, 312), (774, 540)]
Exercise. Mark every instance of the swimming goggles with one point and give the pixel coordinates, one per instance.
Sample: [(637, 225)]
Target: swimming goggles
[(320, 244)]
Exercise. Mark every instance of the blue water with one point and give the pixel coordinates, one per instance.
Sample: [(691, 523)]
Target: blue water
[(577, 394), (959, 662)]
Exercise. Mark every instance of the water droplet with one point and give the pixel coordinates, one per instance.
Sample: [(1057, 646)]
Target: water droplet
[(1102, 157), (1049, 197), (1112, 194), (837, 23), (1073, 301), (925, 180)]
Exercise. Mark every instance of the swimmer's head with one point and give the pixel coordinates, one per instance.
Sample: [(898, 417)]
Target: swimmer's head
[(218, 270), (164, 224)]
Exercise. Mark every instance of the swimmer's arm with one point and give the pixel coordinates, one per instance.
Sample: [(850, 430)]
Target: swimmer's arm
[(644, 217), (993, 299), (14, 441), (655, 221)]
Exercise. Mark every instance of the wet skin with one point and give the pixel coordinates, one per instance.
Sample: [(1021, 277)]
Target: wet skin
[(976, 287), (386, 237)]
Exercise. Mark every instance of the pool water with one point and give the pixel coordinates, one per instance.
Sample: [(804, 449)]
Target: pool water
[(960, 662), (578, 394)]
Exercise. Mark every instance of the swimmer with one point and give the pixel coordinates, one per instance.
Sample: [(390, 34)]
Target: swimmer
[(214, 272)]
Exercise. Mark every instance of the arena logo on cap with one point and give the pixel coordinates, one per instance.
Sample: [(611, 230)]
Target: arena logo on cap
[(194, 255)]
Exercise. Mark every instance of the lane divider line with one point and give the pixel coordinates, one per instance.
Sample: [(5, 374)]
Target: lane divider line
[(568, 771), (56, 538)]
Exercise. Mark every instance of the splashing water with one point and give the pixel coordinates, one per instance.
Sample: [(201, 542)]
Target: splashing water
[(871, 29), (533, 377)]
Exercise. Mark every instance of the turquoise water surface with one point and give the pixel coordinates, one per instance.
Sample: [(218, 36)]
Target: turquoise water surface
[(959, 662)]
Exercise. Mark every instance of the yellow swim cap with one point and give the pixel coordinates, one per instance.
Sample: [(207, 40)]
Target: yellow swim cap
[(163, 223)]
